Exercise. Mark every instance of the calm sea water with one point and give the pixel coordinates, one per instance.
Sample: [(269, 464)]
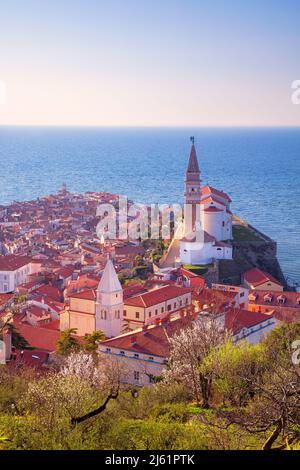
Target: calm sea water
[(259, 168)]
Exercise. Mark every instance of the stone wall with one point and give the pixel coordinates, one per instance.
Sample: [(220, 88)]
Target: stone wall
[(246, 255)]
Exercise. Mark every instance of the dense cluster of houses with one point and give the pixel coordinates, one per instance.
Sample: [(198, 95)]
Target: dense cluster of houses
[(56, 274), (139, 318)]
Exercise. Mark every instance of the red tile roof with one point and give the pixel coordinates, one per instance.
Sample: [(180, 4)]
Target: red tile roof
[(49, 291), (5, 298), (83, 282), (37, 311), (184, 272), (153, 341), (256, 277), (212, 299), (291, 299), (157, 296), (130, 291), (206, 190), (88, 294), (53, 325), (56, 306), (64, 272), (287, 315), (209, 199), (129, 250), (197, 282), (237, 319), (38, 337), (27, 286), (212, 209), (35, 359), (13, 262)]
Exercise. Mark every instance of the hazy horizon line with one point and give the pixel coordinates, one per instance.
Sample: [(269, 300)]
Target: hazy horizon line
[(137, 126)]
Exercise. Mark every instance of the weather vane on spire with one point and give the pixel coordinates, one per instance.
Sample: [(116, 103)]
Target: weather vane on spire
[(192, 138)]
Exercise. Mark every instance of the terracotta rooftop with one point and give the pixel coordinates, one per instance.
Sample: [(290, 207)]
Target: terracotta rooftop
[(49, 291), (38, 337), (184, 272), (35, 359), (207, 190), (153, 341), (157, 296), (4, 298), (237, 319), (37, 311), (131, 290), (273, 298), (13, 262), (197, 282), (256, 277), (87, 294)]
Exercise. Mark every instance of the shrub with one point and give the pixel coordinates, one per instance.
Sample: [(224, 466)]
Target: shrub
[(176, 412)]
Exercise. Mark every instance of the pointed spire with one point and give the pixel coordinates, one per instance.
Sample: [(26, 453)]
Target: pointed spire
[(193, 166), (109, 281)]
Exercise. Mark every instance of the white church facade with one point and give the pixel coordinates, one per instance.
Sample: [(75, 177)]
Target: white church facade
[(207, 220)]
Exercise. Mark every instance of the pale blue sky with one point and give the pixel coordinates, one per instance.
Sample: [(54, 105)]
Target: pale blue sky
[(129, 62)]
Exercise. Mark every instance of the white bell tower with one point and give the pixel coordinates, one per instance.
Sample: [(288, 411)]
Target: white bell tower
[(192, 192), (109, 305)]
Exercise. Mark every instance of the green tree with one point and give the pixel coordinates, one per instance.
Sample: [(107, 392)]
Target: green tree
[(90, 341), (122, 278), (67, 342), (280, 340), (188, 350), (138, 261), (235, 367), (273, 412), (18, 341), (19, 299)]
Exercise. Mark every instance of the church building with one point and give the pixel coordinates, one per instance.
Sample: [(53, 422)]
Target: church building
[(105, 309), (207, 219), (97, 309), (109, 304)]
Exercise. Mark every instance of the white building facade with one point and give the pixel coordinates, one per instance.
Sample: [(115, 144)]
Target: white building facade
[(109, 304), (139, 353), (14, 271), (208, 220)]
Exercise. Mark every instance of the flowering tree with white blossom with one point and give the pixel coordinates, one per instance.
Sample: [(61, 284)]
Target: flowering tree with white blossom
[(80, 384), (189, 348)]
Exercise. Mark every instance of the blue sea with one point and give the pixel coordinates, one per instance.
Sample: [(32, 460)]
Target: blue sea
[(258, 168)]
